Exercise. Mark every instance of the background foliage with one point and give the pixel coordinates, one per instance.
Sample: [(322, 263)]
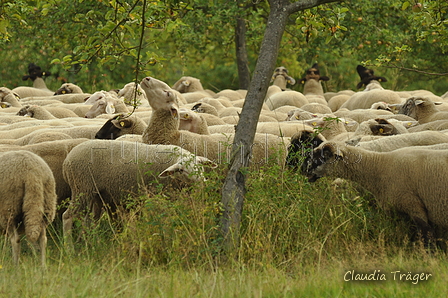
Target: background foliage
[(96, 43)]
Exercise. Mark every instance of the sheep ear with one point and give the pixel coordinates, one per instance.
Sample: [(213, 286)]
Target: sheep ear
[(205, 161), (110, 108), (329, 151), (171, 170), (302, 81), (324, 78), (122, 123), (418, 102), (290, 80), (438, 102)]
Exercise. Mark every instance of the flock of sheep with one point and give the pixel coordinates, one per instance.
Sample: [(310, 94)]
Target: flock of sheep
[(95, 148)]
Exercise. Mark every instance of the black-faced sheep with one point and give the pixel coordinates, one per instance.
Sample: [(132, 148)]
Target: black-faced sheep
[(409, 180), (368, 76), (120, 125), (28, 199), (39, 87), (312, 87)]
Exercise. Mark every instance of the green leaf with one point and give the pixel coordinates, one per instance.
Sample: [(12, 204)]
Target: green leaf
[(405, 5)]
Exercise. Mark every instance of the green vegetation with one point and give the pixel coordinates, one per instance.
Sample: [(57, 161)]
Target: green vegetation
[(298, 240), (96, 43)]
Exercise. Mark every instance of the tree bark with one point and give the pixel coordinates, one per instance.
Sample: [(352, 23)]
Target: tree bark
[(234, 188), (241, 54)]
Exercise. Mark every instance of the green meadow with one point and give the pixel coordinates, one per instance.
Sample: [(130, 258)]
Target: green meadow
[(297, 240)]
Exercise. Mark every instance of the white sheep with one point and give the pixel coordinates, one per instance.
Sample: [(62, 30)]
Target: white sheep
[(68, 88), (164, 123), (28, 199), (104, 103), (390, 143), (408, 180), (281, 78), (422, 109), (45, 113), (7, 95), (335, 102), (286, 98), (230, 94), (188, 84), (102, 172), (365, 99), (133, 94), (433, 125), (192, 121)]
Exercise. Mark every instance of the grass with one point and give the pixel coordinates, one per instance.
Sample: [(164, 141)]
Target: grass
[(297, 240)]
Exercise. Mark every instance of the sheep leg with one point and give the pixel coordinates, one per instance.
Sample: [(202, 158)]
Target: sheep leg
[(425, 231), (67, 225), (43, 246), (15, 243)]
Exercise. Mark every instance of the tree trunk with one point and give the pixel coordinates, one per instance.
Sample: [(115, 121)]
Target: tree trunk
[(241, 54), (234, 187)]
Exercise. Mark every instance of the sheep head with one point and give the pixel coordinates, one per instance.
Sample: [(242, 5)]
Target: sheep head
[(317, 164), (281, 77), (366, 76), (114, 127), (313, 73), (188, 168), (35, 72)]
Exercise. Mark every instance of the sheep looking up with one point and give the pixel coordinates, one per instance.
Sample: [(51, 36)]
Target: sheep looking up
[(133, 94), (28, 202), (367, 76), (164, 123), (39, 87), (281, 78), (311, 81)]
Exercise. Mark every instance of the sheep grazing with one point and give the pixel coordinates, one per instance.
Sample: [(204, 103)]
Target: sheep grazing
[(164, 123), (408, 180), (367, 76), (188, 84), (302, 144), (119, 168), (68, 88), (39, 87), (29, 200), (423, 110), (121, 125), (281, 78)]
